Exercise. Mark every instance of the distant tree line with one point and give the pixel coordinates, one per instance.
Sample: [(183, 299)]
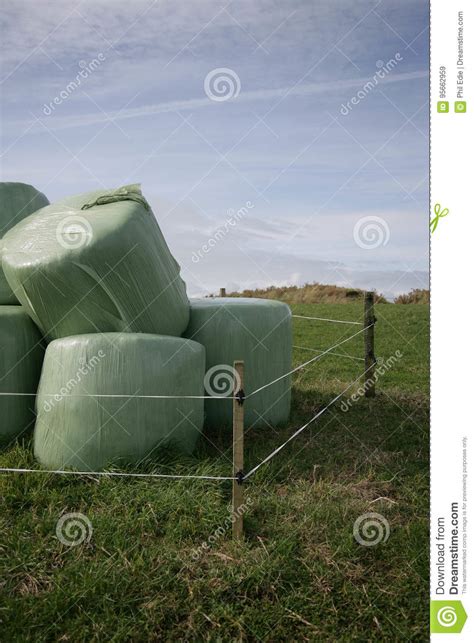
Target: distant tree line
[(316, 293)]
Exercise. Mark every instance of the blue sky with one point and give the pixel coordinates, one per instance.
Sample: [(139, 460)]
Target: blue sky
[(281, 143)]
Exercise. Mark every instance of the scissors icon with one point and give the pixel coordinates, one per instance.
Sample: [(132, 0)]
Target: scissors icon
[(438, 215)]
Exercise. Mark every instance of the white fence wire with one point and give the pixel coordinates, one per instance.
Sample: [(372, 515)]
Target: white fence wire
[(301, 429), (205, 397)]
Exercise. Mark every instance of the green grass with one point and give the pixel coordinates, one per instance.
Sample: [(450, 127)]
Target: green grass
[(299, 574)]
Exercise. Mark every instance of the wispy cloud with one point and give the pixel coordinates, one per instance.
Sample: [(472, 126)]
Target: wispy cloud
[(190, 104), (143, 116)]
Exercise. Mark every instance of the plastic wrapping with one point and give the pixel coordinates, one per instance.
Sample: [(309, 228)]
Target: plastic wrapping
[(96, 262), (76, 430), (21, 356), (257, 331), (17, 201)]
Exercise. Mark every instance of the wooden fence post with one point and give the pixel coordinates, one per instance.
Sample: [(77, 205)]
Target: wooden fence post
[(222, 292), (369, 337), (238, 452)]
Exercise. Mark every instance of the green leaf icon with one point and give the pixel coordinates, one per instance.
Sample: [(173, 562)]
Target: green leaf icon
[(447, 617)]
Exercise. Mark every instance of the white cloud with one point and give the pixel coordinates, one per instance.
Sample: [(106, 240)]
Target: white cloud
[(309, 169), (308, 89)]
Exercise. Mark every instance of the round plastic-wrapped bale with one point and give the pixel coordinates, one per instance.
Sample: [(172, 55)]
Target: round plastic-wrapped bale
[(97, 262), (257, 331), (97, 404), (21, 356), (17, 201)]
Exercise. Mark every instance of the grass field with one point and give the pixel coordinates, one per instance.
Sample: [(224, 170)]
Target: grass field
[(299, 575)]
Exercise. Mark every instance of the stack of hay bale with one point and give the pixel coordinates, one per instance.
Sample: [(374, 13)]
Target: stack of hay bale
[(126, 363), (21, 346)]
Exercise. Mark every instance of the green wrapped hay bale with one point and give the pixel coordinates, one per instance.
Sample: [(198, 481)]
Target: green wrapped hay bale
[(257, 331), (78, 428), (17, 201), (97, 262), (21, 356)]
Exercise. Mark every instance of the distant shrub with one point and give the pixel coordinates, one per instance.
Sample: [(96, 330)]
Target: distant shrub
[(314, 293), (354, 294), (415, 296)]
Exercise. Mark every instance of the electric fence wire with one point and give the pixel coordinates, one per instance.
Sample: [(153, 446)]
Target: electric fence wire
[(301, 429), (310, 361), (201, 397), (334, 321)]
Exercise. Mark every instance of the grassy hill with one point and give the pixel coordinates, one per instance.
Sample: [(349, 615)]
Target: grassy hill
[(327, 294), (299, 574), (308, 294)]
